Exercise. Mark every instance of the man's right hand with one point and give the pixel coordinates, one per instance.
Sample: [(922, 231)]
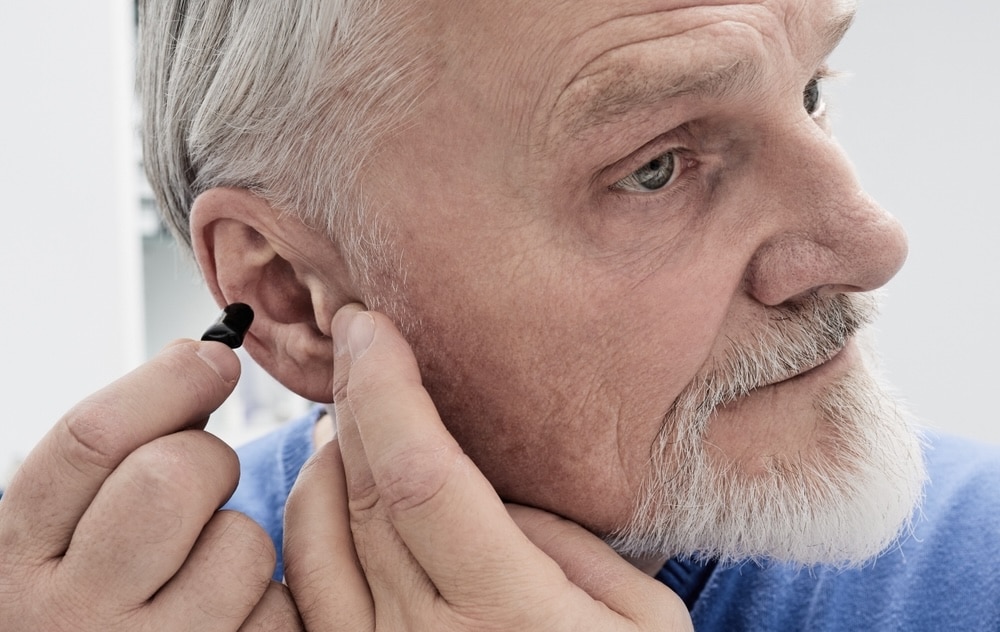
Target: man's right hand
[(111, 523)]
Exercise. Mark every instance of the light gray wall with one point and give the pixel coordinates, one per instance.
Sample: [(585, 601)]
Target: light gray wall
[(921, 119), (70, 261)]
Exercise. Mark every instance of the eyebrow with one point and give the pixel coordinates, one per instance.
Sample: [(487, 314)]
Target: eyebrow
[(611, 101), (837, 28)]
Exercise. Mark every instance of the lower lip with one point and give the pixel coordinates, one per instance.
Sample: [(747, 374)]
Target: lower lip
[(842, 358)]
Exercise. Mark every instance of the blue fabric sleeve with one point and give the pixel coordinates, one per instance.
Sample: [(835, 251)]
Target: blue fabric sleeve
[(268, 468)]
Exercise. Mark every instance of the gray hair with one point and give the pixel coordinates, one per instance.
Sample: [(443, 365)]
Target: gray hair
[(285, 98)]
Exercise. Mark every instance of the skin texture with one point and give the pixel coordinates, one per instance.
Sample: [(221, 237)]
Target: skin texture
[(543, 302), (553, 319), (112, 524), (577, 312), (415, 537)]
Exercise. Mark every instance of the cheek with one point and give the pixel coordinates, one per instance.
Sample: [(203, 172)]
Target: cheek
[(551, 365), (555, 375)]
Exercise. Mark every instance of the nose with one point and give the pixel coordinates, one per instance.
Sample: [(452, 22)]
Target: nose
[(829, 235)]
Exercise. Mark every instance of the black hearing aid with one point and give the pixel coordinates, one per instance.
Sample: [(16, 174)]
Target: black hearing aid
[(232, 325)]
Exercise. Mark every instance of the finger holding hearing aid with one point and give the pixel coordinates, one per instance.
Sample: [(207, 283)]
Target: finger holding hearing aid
[(112, 522)]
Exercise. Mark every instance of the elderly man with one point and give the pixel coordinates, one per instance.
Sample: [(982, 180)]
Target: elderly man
[(583, 286)]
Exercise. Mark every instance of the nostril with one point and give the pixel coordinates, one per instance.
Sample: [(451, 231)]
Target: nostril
[(787, 267), (794, 265)]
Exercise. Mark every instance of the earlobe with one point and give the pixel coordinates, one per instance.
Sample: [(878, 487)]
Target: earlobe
[(249, 252)]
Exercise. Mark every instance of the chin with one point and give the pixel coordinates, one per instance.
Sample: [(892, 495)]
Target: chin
[(840, 494)]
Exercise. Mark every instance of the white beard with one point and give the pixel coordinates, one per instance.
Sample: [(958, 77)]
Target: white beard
[(841, 500)]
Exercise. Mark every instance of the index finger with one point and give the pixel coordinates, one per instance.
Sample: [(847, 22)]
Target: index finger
[(177, 389)]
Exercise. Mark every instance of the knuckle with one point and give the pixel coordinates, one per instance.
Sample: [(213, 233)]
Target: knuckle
[(413, 479), (663, 605), (181, 464), (101, 430), (246, 546), (364, 499), (160, 469), (339, 391), (94, 431)]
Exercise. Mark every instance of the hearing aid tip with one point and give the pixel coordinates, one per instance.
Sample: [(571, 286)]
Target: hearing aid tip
[(231, 326)]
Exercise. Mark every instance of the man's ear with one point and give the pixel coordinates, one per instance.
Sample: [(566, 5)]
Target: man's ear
[(290, 274)]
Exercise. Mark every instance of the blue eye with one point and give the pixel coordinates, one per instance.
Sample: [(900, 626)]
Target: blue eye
[(656, 174)]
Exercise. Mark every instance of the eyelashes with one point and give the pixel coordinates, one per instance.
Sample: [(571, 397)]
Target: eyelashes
[(665, 169), (659, 173)]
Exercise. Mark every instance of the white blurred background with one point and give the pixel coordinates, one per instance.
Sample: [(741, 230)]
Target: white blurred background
[(88, 287)]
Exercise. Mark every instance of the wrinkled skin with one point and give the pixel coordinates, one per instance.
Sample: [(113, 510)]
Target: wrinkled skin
[(111, 523), (558, 335), (555, 313)]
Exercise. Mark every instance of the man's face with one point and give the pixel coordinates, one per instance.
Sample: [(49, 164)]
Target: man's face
[(596, 204)]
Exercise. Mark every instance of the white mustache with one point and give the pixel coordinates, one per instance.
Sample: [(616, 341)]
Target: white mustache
[(797, 337)]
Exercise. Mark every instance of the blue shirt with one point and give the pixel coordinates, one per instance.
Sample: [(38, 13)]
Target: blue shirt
[(945, 576)]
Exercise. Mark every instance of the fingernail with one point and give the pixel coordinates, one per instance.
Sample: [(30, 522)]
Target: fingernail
[(222, 360), (360, 334), (340, 327)]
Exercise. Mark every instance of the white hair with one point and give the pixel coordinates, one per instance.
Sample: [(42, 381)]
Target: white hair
[(841, 500), (285, 98)]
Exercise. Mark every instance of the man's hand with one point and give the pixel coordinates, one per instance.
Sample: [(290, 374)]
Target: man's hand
[(111, 523), (396, 529)]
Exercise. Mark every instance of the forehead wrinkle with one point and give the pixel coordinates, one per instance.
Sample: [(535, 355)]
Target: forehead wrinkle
[(618, 91), (622, 94)]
